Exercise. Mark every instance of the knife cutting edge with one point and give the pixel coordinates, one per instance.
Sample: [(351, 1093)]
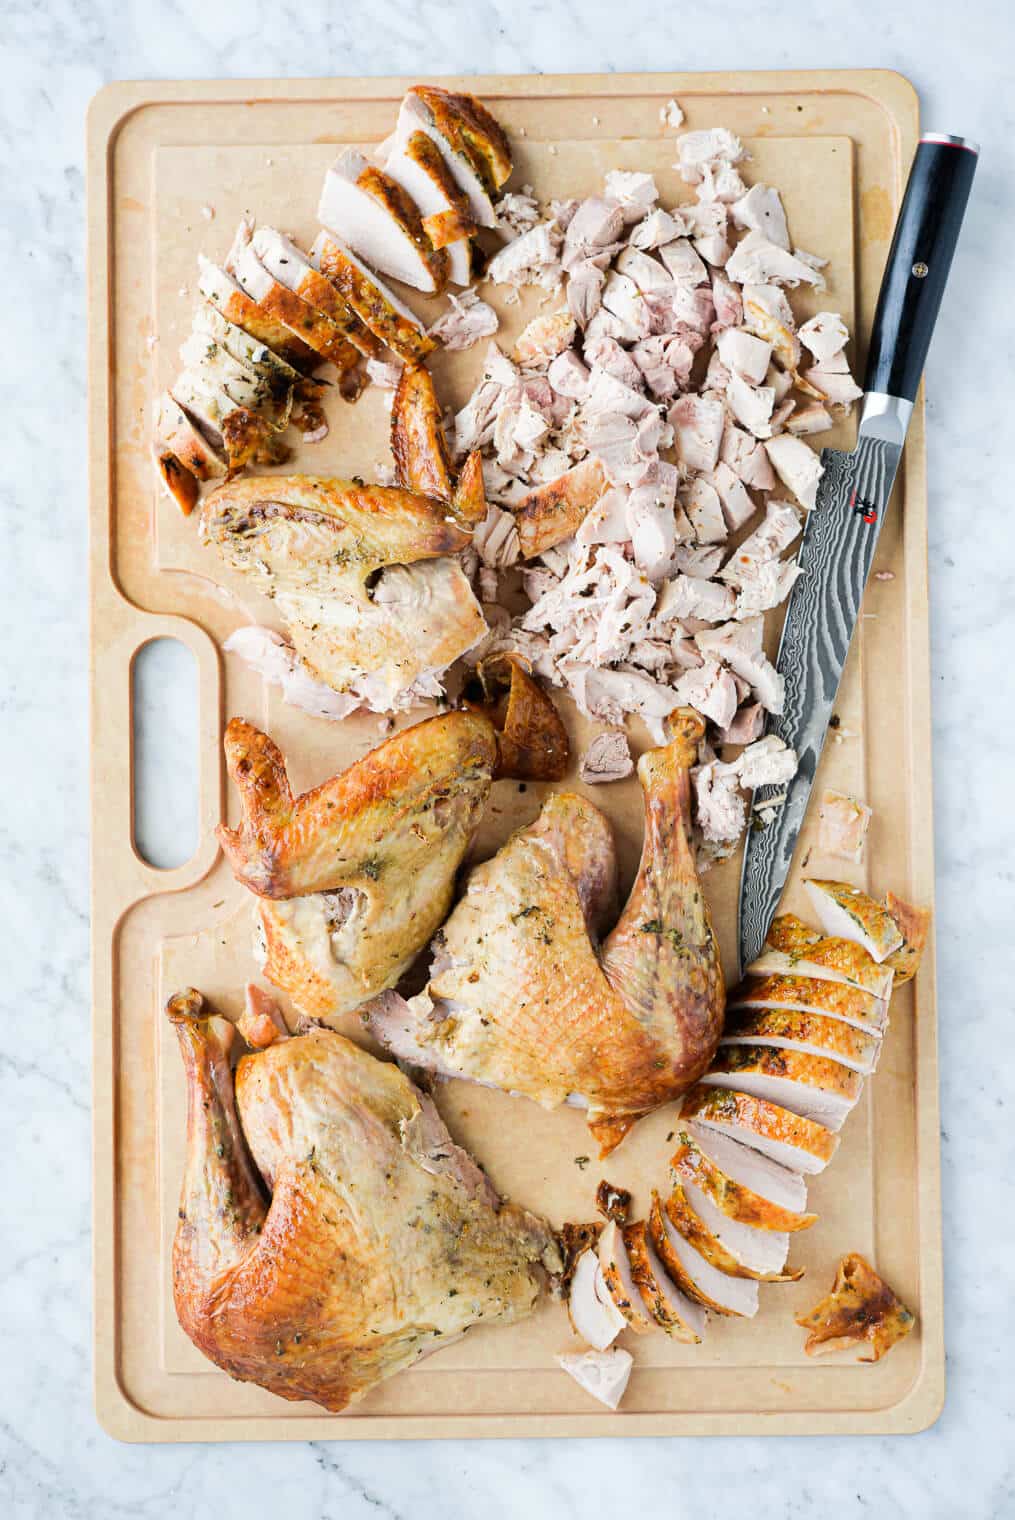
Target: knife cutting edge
[(841, 533)]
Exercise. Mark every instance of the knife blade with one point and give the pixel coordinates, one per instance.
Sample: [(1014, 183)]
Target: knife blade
[(841, 533)]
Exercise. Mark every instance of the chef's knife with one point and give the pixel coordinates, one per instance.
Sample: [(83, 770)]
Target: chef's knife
[(841, 534)]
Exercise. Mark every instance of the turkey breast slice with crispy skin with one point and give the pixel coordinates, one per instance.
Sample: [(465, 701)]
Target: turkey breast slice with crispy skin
[(794, 948), (178, 433), (808, 1032), (416, 163), (809, 994), (814, 1086), (293, 269), (745, 1185), (387, 317), (619, 1279), (315, 329), (695, 1276), (590, 1306), (795, 1142), (681, 1318), (223, 291), (375, 217), (470, 141), (738, 1250), (847, 911)]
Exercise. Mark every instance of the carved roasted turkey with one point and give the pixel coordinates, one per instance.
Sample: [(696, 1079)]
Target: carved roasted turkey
[(357, 875), (522, 997), (330, 1231)]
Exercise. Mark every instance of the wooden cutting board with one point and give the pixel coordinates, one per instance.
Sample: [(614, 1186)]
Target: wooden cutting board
[(171, 168)]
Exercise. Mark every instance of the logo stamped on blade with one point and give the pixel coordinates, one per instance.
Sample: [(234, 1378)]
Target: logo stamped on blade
[(868, 510)]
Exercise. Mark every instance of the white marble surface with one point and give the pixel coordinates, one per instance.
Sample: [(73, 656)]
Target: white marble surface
[(54, 1461)]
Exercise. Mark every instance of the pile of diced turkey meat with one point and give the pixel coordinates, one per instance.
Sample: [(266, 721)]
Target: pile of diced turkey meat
[(662, 407)]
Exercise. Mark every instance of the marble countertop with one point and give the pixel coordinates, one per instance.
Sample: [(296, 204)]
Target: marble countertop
[(54, 1460)]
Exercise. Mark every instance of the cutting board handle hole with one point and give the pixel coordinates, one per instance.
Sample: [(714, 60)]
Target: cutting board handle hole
[(164, 756)]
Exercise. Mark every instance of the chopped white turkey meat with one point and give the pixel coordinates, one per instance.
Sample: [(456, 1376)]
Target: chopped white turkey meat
[(594, 231), (837, 388), (519, 430), (761, 210), (609, 694), (635, 193), (474, 424), (746, 457), (562, 212), (689, 596), (496, 539), (728, 302), (744, 354), (779, 529), (812, 418), (606, 353), (671, 114), (532, 259), (738, 644), (698, 423), (646, 272), (607, 394), (683, 307), (544, 338), (517, 213), (606, 522), (842, 826), (585, 291), (701, 503), (657, 228), (696, 150), (603, 1374), (751, 405), (825, 335), (569, 376), (797, 466), (720, 183), (593, 1314), (608, 758), (710, 231), (622, 298), (756, 260), (768, 762), (683, 263), (664, 363), (717, 377), (651, 527), (720, 809), (748, 725), (466, 321), (812, 260), (700, 560), (711, 691), (737, 506), (767, 313), (276, 661)]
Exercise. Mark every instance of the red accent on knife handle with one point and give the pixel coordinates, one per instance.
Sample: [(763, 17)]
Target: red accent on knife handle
[(925, 238)]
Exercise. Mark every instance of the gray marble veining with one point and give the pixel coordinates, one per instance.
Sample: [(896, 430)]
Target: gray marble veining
[(54, 1461)]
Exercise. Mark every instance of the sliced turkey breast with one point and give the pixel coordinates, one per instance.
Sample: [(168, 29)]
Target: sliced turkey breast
[(813, 1086), (316, 330), (593, 1314), (228, 296), (417, 164), (695, 1276), (794, 948), (246, 349), (205, 355), (235, 428), (741, 1183), (375, 217), (809, 1032), (794, 1141), (623, 1289), (469, 140), (848, 912), (293, 269), (179, 435), (736, 1250), (387, 317), (673, 1311), (810, 994)]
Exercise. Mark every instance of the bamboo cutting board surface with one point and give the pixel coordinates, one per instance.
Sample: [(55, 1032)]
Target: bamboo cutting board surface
[(838, 145)]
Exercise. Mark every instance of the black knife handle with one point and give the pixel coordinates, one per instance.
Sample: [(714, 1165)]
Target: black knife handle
[(918, 264)]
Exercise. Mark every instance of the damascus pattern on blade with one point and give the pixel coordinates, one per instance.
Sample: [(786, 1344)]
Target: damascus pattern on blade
[(836, 553)]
